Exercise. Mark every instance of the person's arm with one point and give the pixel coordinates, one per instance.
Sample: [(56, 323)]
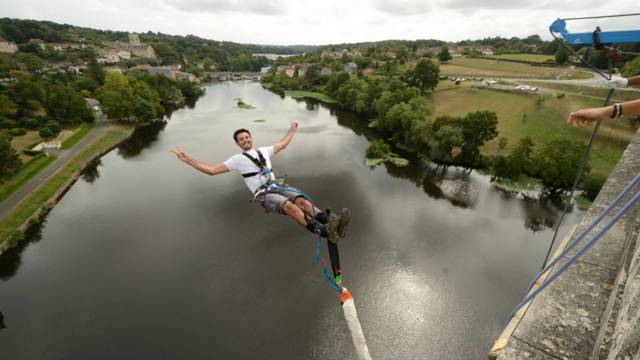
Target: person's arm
[(620, 82), (633, 81), (280, 145), (588, 116), (205, 168)]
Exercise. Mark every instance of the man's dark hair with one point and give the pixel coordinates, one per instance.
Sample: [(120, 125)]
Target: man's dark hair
[(238, 132)]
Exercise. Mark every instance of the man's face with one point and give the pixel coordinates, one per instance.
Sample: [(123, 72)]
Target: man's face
[(244, 141)]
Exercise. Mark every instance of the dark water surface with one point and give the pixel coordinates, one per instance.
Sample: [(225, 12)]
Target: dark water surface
[(146, 258)]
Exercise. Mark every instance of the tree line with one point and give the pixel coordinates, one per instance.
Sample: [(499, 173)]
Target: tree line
[(397, 108)]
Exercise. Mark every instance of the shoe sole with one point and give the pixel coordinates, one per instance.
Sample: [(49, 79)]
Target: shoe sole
[(343, 224), (332, 229)]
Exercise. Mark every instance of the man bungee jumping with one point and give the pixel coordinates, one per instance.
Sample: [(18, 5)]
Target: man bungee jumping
[(255, 168)]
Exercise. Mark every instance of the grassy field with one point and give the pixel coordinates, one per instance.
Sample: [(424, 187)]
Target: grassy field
[(487, 68), (619, 95), (540, 58), (30, 169), (21, 143), (521, 115), (77, 135), (310, 94), (39, 197)]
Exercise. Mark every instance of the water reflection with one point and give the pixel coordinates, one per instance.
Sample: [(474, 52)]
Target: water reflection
[(91, 173), (454, 184), (542, 213), (12, 258), (142, 137)]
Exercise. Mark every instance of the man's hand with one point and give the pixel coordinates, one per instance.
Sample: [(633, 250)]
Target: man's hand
[(180, 153), (617, 82), (586, 117), (294, 126)]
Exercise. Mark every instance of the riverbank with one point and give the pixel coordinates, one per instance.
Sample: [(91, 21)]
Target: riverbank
[(38, 203)]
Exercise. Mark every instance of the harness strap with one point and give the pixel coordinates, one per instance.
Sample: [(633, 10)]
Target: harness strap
[(261, 163)]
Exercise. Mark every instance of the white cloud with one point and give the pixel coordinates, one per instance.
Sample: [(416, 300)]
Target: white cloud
[(260, 7), (402, 7), (315, 22)]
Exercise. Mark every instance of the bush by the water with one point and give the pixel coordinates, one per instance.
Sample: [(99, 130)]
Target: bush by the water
[(378, 149), (592, 185)]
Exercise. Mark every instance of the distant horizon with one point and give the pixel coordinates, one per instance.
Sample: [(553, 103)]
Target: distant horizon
[(305, 22)]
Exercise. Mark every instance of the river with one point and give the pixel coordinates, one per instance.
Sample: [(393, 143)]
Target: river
[(146, 258)]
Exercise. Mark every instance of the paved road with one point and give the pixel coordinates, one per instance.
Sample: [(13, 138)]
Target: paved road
[(595, 81), (64, 156)]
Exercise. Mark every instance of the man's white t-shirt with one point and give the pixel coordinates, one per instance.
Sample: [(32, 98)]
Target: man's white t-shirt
[(243, 165)]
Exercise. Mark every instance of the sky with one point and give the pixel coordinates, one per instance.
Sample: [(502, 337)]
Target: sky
[(297, 22)]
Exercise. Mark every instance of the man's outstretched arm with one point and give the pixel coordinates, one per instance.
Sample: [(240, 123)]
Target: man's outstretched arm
[(286, 139), (205, 168)]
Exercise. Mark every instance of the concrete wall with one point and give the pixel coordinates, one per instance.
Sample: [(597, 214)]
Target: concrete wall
[(592, 311), (623, 342)]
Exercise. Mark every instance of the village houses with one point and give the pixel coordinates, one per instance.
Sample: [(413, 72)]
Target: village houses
[(7, 47)]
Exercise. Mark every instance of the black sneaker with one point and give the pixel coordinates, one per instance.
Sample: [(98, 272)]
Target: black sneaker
[(343, 222), (332, 229)]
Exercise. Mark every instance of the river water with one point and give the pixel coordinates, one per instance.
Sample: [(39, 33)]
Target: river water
[(146, 258)]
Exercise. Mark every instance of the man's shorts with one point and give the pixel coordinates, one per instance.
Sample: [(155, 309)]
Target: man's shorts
[(274, 200)]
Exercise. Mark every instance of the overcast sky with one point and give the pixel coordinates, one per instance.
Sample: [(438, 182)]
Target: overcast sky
[(289, 22)]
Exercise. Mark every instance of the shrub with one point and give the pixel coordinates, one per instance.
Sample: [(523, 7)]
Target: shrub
[(592, 185), (378, 149), (17, 132), (31, 152), (6, 124), (29, 123), (54, 126), (46, 133)]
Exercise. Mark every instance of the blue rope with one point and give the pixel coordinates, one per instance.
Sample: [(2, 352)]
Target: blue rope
[(263, 173), (584, 233), (630, 204)]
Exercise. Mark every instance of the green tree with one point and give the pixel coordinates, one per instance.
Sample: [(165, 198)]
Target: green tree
[(27, 94), (446, 138), (7, 106), (95, 71), (335, 82), (9, 160), (166, 53), (444, 55), (425, 75), (557, 163), (502, 143), (562, 55), (30, 61), (312, 75), (477, 128), (353, 95), (67, 105), (115, 96)]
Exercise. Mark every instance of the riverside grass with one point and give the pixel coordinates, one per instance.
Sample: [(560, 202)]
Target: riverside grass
[(39, 198), (297, 94), (28, 171), (522, 115), (77, 135)]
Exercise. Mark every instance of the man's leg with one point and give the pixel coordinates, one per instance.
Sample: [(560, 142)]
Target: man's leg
[(288, 208), (306, 206), (277, 202), (324, 217)]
